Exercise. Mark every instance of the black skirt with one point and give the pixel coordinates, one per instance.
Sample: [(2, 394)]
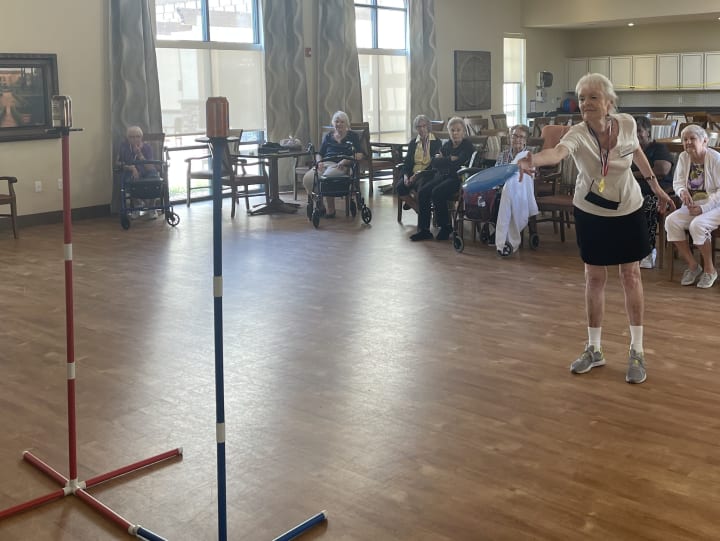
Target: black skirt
[(612, 240)]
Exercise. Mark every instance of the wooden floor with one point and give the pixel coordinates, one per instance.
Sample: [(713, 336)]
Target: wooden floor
[(412, 392)]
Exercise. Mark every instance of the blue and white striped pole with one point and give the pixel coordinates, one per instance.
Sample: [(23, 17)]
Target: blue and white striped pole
[(217, 119)]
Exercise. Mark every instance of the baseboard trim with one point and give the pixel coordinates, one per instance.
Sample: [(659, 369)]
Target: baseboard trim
[(56, 216)]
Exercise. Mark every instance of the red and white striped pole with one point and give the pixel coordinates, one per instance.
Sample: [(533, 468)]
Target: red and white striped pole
[(62, 122)]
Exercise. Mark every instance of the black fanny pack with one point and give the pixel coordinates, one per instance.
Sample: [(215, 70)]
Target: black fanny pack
[(600, 201)]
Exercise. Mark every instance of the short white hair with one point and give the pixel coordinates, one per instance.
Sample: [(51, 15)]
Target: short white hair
[(699, 131), (342, 115), (134, 130), (598, 80)]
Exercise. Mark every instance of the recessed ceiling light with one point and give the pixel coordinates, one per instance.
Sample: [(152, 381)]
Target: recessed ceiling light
[(631, 24)]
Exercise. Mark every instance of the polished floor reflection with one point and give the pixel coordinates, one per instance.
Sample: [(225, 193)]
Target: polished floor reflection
[(414, 393)]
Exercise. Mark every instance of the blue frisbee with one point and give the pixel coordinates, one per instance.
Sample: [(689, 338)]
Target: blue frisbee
[(489, 178)]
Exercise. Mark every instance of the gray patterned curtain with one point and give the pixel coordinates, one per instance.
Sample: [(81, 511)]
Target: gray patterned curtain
[(338, 70), (134, 85), (423, 83), (285, 81)]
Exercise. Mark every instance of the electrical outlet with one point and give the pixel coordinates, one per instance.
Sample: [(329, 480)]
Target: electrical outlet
[(59, 184), (38, 186)]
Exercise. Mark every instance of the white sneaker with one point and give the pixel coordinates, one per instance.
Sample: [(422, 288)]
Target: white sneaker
[(648, 262), (689, 276)]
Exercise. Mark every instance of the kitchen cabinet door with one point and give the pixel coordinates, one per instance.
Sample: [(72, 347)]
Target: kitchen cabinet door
[(691, 71), (668, 71), (621, 72), (712, 71), (577, 67), (644, 72)]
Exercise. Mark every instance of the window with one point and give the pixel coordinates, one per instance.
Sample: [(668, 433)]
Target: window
[(207, 48), (514, 80), (381, 30)]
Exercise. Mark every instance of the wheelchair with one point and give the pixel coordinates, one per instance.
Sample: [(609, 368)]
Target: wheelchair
[(151, 187), (346, 186)]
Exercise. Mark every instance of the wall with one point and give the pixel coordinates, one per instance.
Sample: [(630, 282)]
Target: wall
[(473, 25), (77, 32), (557, 13), (655, 38)]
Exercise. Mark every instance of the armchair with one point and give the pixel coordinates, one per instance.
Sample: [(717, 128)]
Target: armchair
[(380, 158), (9, 199)]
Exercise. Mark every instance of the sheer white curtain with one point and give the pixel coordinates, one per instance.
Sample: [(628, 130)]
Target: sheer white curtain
[(338, 70), (134, 88), (423, 78)]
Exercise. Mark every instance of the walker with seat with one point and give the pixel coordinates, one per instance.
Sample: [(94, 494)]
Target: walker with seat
[(346, 186)]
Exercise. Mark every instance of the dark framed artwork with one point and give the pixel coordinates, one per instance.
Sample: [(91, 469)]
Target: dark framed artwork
[(472, 80), (27, 84)]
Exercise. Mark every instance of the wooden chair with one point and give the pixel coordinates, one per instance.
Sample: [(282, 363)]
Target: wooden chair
[(552, 195), (697, 117), (234, 173), (206, 172), (713, 122), (661, 115), (475, 124), (10, 199), (539, 123), (379, 159), (499, 121)]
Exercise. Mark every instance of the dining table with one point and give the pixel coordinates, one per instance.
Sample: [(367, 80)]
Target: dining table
[(274, 204)]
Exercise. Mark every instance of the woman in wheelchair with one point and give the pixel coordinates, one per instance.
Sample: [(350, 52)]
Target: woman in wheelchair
[(417, 160), (133, 150), (335, 143), (436, 192)]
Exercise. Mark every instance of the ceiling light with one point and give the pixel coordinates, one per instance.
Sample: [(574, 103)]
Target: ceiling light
[(631, 24)]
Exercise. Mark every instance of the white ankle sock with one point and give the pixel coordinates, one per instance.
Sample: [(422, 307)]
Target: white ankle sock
[(636, 338), (594, 334)]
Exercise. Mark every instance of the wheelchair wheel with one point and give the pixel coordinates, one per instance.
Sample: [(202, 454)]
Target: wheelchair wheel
[(171, 218), (534, 241), (309, 210), (124, 222), (458, 243), (316, 218), (366, 214), (353, 208)]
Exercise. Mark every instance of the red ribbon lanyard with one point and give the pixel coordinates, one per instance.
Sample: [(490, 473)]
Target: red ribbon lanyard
[(604, 154)]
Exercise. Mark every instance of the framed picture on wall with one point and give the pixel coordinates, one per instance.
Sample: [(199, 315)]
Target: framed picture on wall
[(27, 84), (472, 80)]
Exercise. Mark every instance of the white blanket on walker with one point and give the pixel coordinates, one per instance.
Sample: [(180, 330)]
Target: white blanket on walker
[(517, 204)]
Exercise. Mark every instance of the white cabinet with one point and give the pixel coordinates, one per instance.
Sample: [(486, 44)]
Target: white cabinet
[(668, 71), (577, 67), (691, 71), (599, 64), (712, 71), (621, 72), (644, 72)]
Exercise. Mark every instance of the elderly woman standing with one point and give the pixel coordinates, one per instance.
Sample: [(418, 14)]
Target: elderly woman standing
[(697, 184), (454, 154), (337, 142), (419, 155), (609, 219)]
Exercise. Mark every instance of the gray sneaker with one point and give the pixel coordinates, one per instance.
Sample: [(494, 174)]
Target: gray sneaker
[(589, 359), (689, 276), (636, 368), (707, 280)]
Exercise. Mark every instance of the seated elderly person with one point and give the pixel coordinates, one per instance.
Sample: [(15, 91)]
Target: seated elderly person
[(517, 201), (697, 184), (335, 143), (132, 151), (454, 154), (661, 162), (417, 160)]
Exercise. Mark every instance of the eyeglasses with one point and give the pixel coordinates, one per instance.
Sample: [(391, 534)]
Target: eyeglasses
[(518, 136)]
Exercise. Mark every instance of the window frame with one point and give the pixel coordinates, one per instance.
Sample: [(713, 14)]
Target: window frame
[(376, 51), (206, 42)]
